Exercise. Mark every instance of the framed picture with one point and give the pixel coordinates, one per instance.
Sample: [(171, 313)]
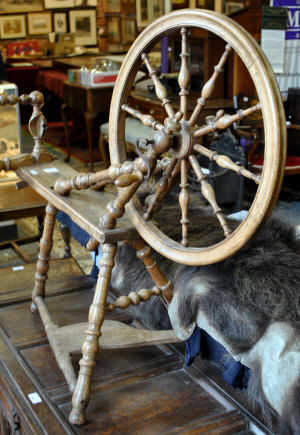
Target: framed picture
[(179, 4), (10, 7), (12, 26), (60, 22), (83, 23), (56, 4), (231, 7), (39, 23), (128, 6), (85, 3), (128, 30), (112, 6), (205, 4), (113, 29), (147, 11)]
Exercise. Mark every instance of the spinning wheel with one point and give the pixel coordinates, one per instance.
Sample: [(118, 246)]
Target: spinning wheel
[(182, 138)]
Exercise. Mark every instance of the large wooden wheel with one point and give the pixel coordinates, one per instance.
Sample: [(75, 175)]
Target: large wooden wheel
[(185, 137)]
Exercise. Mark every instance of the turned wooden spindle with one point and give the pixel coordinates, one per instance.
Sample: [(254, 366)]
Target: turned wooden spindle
[(225, 121), (37, 127), (42, 265), (133, 298), (152, 201), (184, 74), (143, 252), (209, 86), (147, 120), (226, 162), (116, 209), (184, 200), (121, 175), (90, 347), (160, 89), (209, 194), (80, 182)]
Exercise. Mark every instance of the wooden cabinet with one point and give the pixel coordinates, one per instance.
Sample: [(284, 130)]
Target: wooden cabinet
[(147, 103)]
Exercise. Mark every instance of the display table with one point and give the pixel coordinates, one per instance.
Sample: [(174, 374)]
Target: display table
[(17, 204), (87, 100)]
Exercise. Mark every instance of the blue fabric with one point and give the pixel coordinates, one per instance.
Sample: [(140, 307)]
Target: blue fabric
[(201, 343), (82, 237), (78, 233)]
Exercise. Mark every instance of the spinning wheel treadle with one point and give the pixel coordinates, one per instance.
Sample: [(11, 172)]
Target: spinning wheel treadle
[(182, 138)]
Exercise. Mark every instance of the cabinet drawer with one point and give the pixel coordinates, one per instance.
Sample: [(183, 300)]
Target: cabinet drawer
[(148, 108)]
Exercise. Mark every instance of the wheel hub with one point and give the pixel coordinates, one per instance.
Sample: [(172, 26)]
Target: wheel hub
[(183, 141)]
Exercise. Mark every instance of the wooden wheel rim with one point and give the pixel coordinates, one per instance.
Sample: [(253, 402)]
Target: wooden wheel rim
[(274, 128)]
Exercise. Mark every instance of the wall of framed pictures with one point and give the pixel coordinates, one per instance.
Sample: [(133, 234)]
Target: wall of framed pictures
[(112, 25), (23, 20)]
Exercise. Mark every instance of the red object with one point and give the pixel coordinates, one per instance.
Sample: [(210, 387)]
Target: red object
[(25, 48), (52, 80), (291, 161)]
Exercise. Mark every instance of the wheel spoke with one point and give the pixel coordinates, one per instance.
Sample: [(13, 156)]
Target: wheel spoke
[(209, 194), (184, 74), (160, 90), (209, 86), (153, 201), (226, 162), (147, 120), (184, 200), (215, 123)]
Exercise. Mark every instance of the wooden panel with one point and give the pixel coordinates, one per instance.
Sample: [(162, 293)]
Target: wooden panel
[(137, 390), (85, 206)]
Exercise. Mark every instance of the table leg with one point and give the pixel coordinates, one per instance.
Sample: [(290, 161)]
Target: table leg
[(66, 235), (64, 114), (89, 117), (90, 347), (42, 265)]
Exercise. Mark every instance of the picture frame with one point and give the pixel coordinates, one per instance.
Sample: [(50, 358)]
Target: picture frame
[(39, 23), (83, 24), (81, 3), (112, 6), (12, 26), (113, 29), (58, 4), (128, 27), (60, 22), (180, 4), (147, 11), (128, 7), (21, 6), (205, 4), (232, 7)]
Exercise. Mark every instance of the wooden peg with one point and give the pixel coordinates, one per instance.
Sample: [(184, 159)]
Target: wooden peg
[(160, 90), (209, 86)]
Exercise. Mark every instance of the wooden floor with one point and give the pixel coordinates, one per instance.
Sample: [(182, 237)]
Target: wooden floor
[(135, 391)]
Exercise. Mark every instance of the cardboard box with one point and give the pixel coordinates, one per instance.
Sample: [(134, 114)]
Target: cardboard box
[(99, 79), (64, 46)]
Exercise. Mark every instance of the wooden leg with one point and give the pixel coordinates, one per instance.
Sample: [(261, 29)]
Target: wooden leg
[(40, 225), (66, 235), (102, 149), (42, 265), (90, 347), (64, 114), (89, 117)]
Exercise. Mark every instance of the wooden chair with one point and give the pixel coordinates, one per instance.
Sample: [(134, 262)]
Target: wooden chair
[(134, 129), (102, 214), (252, 130)]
